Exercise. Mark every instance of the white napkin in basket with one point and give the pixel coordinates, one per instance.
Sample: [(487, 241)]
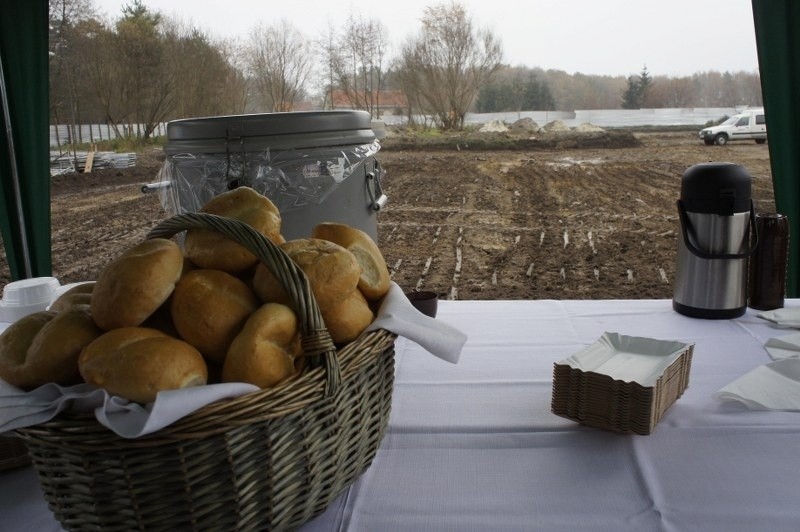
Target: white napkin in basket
[(398, 315), (131, 420)]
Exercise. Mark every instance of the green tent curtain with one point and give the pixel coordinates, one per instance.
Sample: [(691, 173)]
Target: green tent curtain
[(24, 142), (778, 43)]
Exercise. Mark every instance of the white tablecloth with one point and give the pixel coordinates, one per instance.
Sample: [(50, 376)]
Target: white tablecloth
[(474, 446)]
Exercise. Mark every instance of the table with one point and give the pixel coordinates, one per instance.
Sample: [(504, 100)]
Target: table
[(474, 447)]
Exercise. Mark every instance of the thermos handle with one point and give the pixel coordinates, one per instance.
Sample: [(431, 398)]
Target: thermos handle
[(685, 224)]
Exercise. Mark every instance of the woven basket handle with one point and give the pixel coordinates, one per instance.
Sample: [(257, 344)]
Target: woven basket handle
[(315, 336)]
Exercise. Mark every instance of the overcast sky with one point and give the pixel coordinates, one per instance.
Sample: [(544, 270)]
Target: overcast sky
[(607, 37)]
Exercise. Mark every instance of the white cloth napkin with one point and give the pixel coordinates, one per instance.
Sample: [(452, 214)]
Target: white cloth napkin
[(783, 317), (787, 346), (773, 386), (398, 315), (131, 420)]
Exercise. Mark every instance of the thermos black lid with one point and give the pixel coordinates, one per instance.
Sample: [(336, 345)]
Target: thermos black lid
[(716, 188)]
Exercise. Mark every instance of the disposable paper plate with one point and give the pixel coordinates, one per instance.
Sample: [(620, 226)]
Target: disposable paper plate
[(621, 383), (627, 358)]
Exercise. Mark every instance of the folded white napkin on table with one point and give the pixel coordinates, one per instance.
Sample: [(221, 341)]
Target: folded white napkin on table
[(131, 420), (773, 386), (787, 346), (783, 317)]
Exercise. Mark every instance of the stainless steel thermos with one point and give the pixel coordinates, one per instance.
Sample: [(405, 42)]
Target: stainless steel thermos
[(716, 216)]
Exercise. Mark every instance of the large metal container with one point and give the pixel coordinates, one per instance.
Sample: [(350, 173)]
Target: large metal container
[(315, 166), (716, 213)]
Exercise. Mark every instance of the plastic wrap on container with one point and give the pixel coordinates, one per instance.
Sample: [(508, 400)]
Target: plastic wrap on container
[(291, 179)]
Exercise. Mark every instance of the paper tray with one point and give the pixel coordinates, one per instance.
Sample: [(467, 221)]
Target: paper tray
[(621, 383)]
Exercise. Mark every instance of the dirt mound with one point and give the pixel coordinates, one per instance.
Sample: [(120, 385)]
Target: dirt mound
[(544, 140), (494, 126), (524, 126), (586, 127), (556, 126)]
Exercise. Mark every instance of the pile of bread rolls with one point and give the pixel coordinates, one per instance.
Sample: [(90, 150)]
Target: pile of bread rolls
[(163, 317)]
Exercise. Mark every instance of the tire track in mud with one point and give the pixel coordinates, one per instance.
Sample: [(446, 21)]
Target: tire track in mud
[(554, 224)]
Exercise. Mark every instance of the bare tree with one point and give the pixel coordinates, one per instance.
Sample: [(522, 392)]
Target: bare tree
[(235, 98), (358, 65), (130, 70), (672, 92), (448, 62), (330, 59), (280, 62), (66, 18), (206, 79)]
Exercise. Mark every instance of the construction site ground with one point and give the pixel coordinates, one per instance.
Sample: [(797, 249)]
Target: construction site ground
[(562, 215)]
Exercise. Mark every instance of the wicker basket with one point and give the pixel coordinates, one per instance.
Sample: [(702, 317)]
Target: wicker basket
[(13, 452), (268, 460)]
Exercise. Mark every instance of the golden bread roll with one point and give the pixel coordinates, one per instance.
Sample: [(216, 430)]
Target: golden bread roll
[(209, 308), (77, 295), (333, 274), (263, 352), (136, 363), (348, 318), (44, 347), (131, 287), (161, 320), (213, 250), (374, 280)]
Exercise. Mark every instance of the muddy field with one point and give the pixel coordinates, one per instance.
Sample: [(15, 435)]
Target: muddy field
[(576, 217)]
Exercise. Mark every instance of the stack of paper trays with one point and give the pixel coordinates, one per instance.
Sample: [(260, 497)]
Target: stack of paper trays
[(621, 383)]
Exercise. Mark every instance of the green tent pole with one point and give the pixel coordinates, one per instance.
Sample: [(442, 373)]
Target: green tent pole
[(24, 138), (778, 43)]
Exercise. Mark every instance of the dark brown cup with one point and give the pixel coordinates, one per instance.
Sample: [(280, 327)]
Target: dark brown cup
[(767, 275), (425, 302)]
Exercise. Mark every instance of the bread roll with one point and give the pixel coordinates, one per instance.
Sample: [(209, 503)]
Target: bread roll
[(213, 250), (136, 363), (77, 295), (131, 287), (333, 274), (263, 352), (209, 308), (374, 280), (44, 347), (348, 318)]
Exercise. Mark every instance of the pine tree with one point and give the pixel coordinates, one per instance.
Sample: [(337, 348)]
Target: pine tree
[(630, 98), (645, 81), (635, 94)]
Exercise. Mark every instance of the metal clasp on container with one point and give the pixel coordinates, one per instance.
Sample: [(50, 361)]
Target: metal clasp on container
[(377, 198), (232, 135)]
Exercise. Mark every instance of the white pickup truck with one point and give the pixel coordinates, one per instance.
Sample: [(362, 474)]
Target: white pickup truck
[(749, 124)]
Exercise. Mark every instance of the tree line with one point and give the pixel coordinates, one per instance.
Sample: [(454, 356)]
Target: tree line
[(144, 68)]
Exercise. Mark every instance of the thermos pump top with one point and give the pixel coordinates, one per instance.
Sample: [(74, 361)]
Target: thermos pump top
[(716, 216)]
